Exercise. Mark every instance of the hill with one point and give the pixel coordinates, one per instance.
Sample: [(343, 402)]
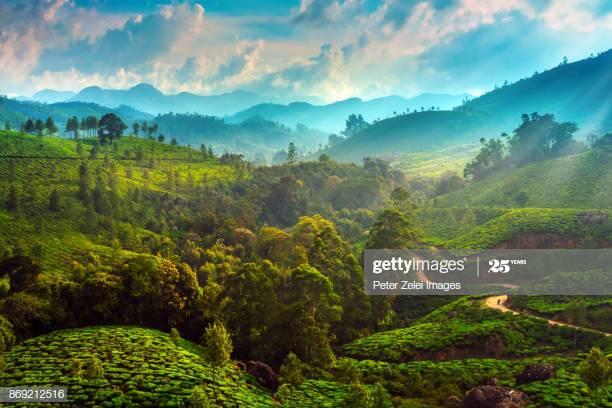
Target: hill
[(52, 96), (147, 98), (463, 329), (582, 180), (140, 367), (575, 92), (331, 117), (65, 234), (415, 132), (16, 112)]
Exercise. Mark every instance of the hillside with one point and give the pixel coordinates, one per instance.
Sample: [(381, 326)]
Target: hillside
[(581, 181), (73, 230), (415, 132), (577, 92), (16, 112), (331, 117), (139, 367), (464, 329)]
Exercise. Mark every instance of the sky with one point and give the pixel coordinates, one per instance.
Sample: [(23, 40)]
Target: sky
[(331, 49)]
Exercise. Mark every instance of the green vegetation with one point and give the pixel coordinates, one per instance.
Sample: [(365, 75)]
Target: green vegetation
[(580, 181), (135, 367), (465, 329)]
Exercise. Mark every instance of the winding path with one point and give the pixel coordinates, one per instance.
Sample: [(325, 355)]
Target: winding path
[(499, 302)]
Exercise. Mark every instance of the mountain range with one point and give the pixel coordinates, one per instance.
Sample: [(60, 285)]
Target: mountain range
[(331, 117)]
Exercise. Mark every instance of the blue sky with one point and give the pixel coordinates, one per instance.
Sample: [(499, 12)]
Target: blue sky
[(333, 49)]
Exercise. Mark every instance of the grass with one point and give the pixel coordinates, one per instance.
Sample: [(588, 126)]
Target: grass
[(435, 163)]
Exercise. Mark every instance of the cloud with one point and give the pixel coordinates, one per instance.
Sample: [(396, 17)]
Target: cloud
[(140, 41), (322, 12)]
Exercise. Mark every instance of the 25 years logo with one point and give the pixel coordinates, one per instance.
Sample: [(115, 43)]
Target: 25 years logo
[(499, 266), (503, 265)]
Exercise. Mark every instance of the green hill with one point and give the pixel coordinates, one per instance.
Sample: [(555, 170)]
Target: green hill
[(415, 132), (141, 367), (558, 226), (464, 329), (73, 229), (577, 92), (581, 181)]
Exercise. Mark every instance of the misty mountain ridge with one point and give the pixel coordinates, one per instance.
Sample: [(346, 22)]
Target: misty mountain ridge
[(147, 98), (331, 117)]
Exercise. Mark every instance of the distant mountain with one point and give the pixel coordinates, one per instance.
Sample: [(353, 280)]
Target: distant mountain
[(52, 96), (331, 117), (578, 92), (148, 99)]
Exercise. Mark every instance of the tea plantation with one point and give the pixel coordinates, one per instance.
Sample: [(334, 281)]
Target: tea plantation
[(579, 181), (139, 367), (47, 164), (465, 329)]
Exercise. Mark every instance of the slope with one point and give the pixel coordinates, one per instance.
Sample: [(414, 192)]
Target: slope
[(72, 230), (582, 181), (415, 132)]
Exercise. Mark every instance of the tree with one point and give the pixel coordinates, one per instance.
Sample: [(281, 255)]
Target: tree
[(203, 151), (51, 126), (7, 335), (135, 128), (7, 126), (595, 371), (28, 126), (145, 128), (91, 124), (72, 126), (291, 371), (54, 201), (39, 126), (12, 202), (576, 314), (354, 124), (393, 230), (173, 142), (175, 336), (217, 348), (110, 127), (291, 153), (161, 138), (83, 181)]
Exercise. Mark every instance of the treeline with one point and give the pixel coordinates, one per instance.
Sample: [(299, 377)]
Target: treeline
[(539, 137)]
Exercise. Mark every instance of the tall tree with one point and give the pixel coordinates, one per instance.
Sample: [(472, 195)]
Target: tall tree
[(51, 126), (291, 153), (110, 127), (217, 349), (28, 126), (54, 204), (135, 128), (39, 126)]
